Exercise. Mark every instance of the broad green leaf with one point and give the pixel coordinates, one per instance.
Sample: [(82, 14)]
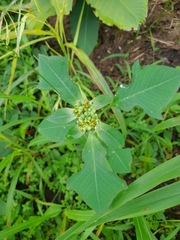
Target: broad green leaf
[(101, 101), (119, 159), (152, 88), (121, 13), (54, 75), (172, 122), (88, 32), (94, 183), (55, 132), (62, 116), (31, 222), (62, 6), (109, 135), (142, 229), (39, 11)]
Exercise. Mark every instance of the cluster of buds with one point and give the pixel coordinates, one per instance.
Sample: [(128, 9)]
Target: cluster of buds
[(86, 115)]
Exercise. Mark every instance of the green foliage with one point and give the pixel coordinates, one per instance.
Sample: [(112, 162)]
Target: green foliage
[(82, 145), (94, 183), (147, 89), (133, 202), (103, 183), (142, 229), (124, 14), (55, 69), (88, 30)]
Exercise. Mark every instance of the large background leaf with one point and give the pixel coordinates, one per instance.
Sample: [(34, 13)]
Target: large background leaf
[(54, 75), (121, 13), (152, 88), (94, 183), (88, 33)]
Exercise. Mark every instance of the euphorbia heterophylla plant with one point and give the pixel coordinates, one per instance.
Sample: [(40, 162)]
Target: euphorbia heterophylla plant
[(152, 87)]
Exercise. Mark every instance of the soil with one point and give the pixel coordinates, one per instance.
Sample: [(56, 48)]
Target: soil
[(157, 39)]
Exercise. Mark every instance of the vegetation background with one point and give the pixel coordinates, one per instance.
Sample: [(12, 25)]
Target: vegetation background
[(35, 202)]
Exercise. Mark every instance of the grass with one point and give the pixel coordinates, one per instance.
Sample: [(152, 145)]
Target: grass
[(34, 172)]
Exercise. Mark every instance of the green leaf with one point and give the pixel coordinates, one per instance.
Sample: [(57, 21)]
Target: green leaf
[(173, 233), (155, 201), (162, 173), (119, 159), (41, 9), (142, 229), (6, 160), (17, 122), (88, 32), (38, 141), (109, 135), (79, 215), (158, 175), (121, 13), (4, 149), (11, 193), (152, 88), (2, 207), (70, 234), (172, 122), (62, 116), (55, 132), (61, 5), (94, 183), (54, 75), (101, 101)]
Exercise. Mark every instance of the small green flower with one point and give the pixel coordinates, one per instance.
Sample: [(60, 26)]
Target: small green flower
[(86, 115)]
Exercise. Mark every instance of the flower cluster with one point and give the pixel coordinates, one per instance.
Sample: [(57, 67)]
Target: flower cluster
[(87, 117)]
